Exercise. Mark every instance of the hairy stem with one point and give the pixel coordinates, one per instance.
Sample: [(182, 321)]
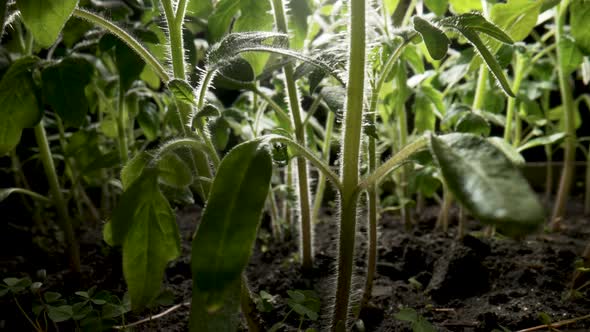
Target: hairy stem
[(125, 37), (352, 130), (510, 114), (321, 186), (302, 172), (57, 197), (567, 174)]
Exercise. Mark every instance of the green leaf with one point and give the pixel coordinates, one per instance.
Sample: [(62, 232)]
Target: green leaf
[(149, 120), (422, 325), (182, 91), (225, 319), (63, 89), (509, 151), (221, 18), (223, 243), (473, 123), (489, 59), (199, 8), (4, 193), (20, 108), (544, 140), (133, 169), (299, 12), (225, 52), (571, 56), (439, 7), (60, 314), (128, 65), (517, 17), (579, 18), (465, 6), (486, 182), (436, 41), (407, 315), (173, 171), (46, 18), (255, 16), (476, 22), (144, 223), (424, 120)]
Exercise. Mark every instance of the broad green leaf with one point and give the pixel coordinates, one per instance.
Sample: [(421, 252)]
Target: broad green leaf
[(149, 120), (223, 243), (436, 41), (299, 11), (46, 18), (173, 171), (225, 52), (144, 223), (472, 123), (579, 18), (199, 8), (63, 89), (182, 91), (20, 108), (517, 17), (544, 140), (439, 7), (255, 16), (465, 6), (60, 314), (133, 169), (220, 19), (424, 120), (486, 182), (128, 65), (220, 131), (225, 319)]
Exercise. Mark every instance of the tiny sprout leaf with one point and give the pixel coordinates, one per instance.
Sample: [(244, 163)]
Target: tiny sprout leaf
[(223, 243), (485, 181), (182, 91), (435, 39)]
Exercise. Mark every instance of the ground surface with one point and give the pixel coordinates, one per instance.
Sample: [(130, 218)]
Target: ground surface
[(476, 284)]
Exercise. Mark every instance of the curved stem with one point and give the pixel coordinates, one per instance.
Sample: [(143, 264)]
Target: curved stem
[(306, 153), (302, 171), (125, 37), (352, 132)]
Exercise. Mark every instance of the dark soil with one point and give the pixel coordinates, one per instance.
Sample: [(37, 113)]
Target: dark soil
[(473, 284)]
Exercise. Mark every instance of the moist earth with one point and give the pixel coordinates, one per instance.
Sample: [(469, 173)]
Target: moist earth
[(477, 283)]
